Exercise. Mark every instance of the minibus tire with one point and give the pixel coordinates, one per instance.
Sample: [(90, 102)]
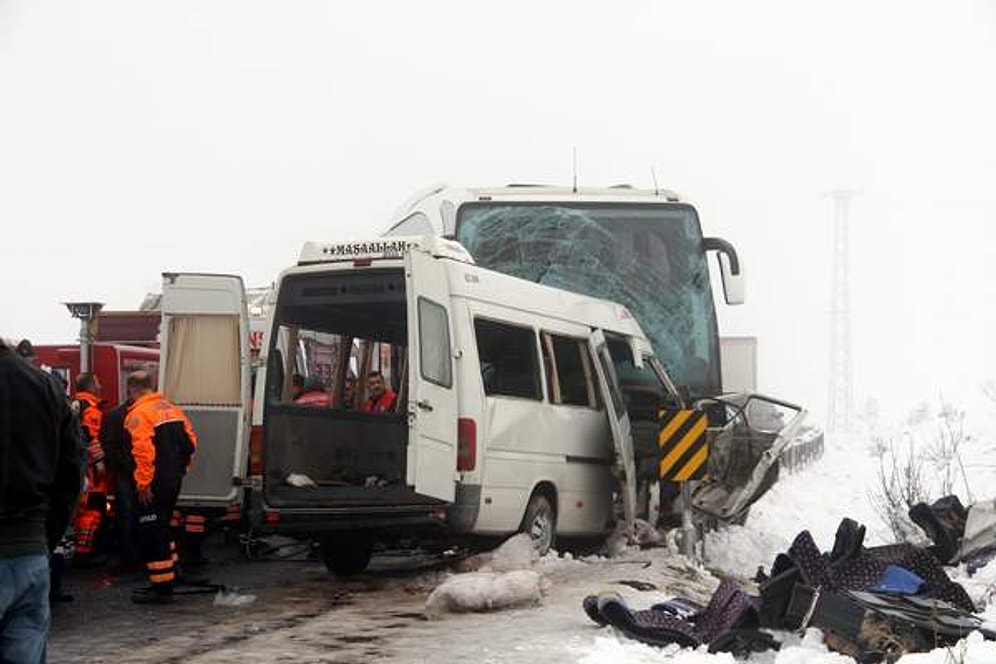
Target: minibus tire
[(539, 507), (346, 555)]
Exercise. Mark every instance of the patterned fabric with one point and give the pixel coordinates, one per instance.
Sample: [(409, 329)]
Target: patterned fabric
[(728, 608), (865, 569)]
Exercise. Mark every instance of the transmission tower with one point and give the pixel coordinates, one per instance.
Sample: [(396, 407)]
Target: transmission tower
[(839, 395)]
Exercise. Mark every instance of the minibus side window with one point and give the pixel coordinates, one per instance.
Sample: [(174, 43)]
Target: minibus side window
[(434, 343), (570, 378), (508, 357)]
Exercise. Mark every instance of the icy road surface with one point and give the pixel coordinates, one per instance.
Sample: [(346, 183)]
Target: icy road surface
[(303, 614)]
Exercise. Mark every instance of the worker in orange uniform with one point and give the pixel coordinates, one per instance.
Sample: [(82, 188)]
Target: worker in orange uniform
[(382, 397), (162, 446), (93, 504)]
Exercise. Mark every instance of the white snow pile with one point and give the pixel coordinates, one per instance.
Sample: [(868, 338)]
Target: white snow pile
[(492, 581), (486, 591), (515, 553), (738, 551)]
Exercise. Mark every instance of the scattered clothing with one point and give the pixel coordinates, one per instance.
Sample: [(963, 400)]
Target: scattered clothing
[(874, 604)]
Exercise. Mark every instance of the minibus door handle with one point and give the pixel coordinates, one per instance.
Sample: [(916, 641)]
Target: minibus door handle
[(424, 405)]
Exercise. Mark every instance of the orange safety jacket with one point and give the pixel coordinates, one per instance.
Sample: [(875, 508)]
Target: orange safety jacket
[(162, 440), (91, 417)]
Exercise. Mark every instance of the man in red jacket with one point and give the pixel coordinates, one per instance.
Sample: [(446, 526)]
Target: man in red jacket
[(382, 397)]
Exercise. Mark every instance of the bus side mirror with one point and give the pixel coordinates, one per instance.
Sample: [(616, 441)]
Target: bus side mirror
[(729, 269)]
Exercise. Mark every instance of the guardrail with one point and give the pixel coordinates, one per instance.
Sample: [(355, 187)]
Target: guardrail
[(806, 449)]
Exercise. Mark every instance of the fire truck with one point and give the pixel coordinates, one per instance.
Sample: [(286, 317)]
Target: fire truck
[(125, 341)]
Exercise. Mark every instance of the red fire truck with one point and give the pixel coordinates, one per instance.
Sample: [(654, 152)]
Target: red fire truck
[(110, 362)]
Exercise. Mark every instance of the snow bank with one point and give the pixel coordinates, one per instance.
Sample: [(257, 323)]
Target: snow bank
[(738, 551), (486, 591), (818, 497), (612, 649)]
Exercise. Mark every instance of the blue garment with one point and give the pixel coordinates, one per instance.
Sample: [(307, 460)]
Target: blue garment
[(899, 581), (24, 612)]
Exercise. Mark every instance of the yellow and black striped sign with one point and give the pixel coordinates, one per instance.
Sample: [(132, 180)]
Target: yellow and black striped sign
[(684, 451)]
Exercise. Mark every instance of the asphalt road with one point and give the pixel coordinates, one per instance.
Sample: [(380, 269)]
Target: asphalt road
[(102, 624)]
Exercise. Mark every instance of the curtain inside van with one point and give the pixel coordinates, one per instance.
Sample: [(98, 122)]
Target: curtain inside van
[(203, 361)]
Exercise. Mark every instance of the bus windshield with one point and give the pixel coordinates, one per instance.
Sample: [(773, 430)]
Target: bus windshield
[(648, 257)]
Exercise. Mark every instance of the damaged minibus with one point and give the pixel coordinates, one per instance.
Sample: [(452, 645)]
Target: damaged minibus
[(504, 410)]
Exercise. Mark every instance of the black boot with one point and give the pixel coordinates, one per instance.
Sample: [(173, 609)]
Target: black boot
[(56, 567)]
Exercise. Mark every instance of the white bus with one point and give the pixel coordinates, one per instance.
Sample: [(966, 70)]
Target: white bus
[(642, 248)]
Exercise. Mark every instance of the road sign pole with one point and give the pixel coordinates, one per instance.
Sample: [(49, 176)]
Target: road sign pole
[(688, 531)]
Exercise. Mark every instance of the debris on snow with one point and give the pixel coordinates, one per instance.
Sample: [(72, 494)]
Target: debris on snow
[(233, 599), (487, 591)]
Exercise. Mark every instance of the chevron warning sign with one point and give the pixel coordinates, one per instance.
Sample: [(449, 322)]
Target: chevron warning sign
[(684, 451)]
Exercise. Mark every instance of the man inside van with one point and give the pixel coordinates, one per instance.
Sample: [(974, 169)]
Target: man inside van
[(382, 397)]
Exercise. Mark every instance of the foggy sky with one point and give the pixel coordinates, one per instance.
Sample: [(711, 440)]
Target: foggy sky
[(137, 138)]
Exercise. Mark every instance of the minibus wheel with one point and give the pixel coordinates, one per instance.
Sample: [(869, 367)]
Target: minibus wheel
[(540, 523), (347, 554)]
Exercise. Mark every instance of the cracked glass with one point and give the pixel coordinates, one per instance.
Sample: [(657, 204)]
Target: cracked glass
[(646, 257)]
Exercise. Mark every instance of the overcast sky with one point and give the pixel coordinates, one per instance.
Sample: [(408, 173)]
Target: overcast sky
[(138, 137)]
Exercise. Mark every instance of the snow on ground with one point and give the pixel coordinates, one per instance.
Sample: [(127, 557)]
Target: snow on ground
[(556, 631)]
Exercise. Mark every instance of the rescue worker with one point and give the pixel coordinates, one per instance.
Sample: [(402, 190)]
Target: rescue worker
[(116, 443), (382, 397), (162, 446), (41, 474), (93, 505), (314, 393)]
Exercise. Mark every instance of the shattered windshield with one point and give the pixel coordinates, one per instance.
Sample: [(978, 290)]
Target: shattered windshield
[(646, 257)]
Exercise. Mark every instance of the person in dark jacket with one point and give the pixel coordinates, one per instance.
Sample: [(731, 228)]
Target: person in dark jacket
[(41, 476), (116, 443)]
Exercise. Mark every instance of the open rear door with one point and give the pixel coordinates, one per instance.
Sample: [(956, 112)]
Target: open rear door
[(204, 369), (619, 423), (432, 401)]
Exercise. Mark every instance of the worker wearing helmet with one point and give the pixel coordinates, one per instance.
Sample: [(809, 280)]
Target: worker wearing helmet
[(162, 445), (90, 514)]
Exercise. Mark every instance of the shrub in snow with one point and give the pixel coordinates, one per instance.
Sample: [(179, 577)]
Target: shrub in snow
[(486, 591)]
